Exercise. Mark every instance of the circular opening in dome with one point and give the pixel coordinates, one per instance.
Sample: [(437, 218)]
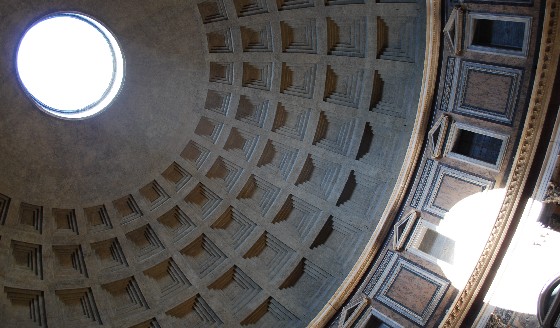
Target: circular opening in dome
[(70, 65)]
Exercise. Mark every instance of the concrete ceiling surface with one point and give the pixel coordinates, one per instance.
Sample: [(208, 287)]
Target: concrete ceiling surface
[(234, 180)]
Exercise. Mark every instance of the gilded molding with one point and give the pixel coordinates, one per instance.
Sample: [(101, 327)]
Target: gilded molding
[(414, 150), (538, 106)]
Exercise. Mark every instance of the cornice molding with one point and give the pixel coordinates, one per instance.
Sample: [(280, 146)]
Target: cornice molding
[(538, 106)]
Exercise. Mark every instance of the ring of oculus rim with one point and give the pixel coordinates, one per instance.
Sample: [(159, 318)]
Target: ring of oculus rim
[(70, 65)]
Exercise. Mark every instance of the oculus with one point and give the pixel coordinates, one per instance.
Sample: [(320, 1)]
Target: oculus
[(70, 65)]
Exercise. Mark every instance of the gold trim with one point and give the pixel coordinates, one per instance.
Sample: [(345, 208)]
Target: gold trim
[(431, 60), (538, 106)]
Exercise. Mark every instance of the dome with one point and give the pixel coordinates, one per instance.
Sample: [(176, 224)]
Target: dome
[(259, 165)]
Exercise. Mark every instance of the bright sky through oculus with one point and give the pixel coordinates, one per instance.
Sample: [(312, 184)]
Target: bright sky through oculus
[(70, 65)]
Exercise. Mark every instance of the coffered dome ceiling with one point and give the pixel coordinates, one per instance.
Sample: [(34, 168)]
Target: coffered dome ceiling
[(234, 180), (69, 163)]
